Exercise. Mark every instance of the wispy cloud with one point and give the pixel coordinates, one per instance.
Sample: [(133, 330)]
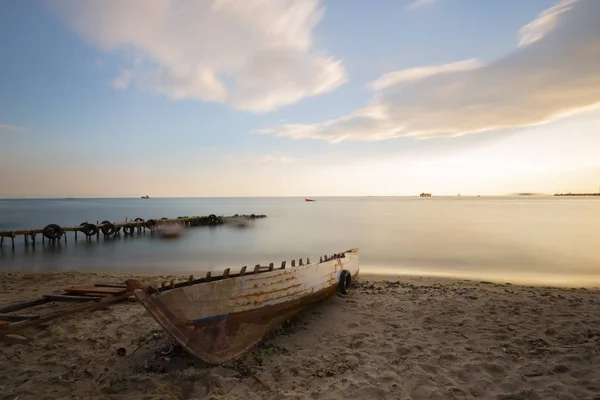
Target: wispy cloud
[(545, 23), (416, 74), (207, 149), (260, 159), (554, 75), (255, 56), (4, 127), (122, 80), (277, 159), (420, 3)]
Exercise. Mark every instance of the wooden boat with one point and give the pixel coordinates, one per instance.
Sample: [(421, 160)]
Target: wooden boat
[(309, 200), (220, 318)]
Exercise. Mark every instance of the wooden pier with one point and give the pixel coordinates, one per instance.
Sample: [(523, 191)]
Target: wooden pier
[(54, 232)]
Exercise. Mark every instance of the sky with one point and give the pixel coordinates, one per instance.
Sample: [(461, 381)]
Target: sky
[(307, 98)]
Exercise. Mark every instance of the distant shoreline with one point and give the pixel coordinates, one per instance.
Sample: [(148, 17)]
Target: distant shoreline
[(577, 194)]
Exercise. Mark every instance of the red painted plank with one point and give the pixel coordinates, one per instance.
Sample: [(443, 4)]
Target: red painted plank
[(96, 290)]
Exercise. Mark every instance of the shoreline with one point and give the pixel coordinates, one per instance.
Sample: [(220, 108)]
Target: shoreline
[(591, 282), (391, 337)]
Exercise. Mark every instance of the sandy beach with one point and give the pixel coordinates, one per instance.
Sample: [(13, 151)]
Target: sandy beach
[(390, 338)]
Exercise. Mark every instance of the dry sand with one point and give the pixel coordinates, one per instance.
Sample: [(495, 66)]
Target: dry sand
[(413, 339)]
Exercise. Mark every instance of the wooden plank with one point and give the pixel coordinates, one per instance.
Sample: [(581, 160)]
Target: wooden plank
[(107, 285), (95, 290), (18, 317), (15, 339), (61, 297), (65, 311), (88, 295), (19, 305)]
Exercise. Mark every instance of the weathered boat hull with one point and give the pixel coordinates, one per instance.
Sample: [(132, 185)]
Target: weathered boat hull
[(220, 320)]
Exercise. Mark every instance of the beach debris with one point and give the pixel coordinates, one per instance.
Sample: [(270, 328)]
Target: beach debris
[(257, 379), (121, 351), (534, 369), (560, 369), (329, 367), (168, 350), (77, 298), (15, 339), (164, 355), (538, 343), (550, 331)]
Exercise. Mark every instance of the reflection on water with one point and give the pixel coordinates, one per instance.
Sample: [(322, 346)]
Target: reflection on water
[(543, 239)]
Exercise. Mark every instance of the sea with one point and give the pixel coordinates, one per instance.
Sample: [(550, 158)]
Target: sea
[(537, 240)]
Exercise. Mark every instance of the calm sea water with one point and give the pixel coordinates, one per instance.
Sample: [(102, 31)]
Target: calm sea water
[(514, 239)]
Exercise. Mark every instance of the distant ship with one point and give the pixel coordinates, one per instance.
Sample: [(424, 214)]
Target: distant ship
[(425, 195), (145, 197), (309, 200)]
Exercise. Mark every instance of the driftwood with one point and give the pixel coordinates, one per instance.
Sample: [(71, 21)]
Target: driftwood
[(19, 305), (91, 297), (64, 297), (90, 305)]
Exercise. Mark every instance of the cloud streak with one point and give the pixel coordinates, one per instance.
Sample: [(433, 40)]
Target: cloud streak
[(261, 159), (4, 127), (544, 23), (420, 3), (555, 71), (419, 73), (252, 55)]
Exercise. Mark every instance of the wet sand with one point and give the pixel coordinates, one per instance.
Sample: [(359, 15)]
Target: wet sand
[(390, 338)]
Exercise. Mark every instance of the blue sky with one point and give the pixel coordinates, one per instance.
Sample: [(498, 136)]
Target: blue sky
[(169, 97)]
